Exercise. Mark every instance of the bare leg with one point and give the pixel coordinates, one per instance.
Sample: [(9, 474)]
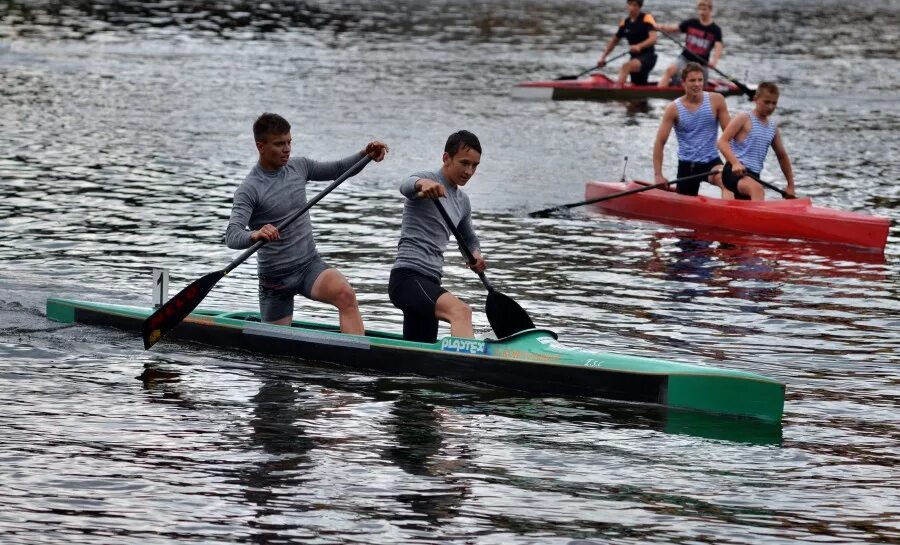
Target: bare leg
[(331, 287), (459, 314), (749, 186), (667, 75), (629, 67), (716, 180)]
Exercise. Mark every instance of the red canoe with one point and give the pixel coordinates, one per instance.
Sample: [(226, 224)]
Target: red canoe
[(795, 218), (602, 87)]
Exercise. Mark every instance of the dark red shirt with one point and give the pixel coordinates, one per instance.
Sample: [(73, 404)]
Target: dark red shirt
[(699, 39)]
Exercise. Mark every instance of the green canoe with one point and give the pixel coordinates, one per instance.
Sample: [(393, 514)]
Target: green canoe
[(533, 360)]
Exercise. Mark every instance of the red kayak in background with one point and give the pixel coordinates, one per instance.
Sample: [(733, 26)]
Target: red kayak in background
[(794, 218), (602, 87)]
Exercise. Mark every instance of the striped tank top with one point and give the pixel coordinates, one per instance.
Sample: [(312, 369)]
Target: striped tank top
[(697, 132), (753, 150)]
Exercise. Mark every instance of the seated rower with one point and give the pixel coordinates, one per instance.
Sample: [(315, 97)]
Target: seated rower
[(745, 143), (639, 29), (415, 282), (702, 44), (696, 118)]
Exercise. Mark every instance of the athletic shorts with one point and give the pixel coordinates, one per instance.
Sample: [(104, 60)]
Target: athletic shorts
[(648, 61), (730, 181), (688, 168), (277, 289), (416, 295), (680, 63)]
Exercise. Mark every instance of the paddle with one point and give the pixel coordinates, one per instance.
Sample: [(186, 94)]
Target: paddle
[(591, 69), (505, 315), (784, 194), (177, 308), (744, 89), (547, 211)]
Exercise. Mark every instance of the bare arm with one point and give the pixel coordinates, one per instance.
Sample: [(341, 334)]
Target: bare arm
[(716, 55), (668, 28), (783, 161), (662, 136), (720, 109), (733, 130), (609, 47)]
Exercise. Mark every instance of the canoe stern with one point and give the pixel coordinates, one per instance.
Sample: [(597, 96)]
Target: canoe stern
[(763, 399)]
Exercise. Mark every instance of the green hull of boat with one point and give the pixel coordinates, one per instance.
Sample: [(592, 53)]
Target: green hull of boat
[(532, 360)]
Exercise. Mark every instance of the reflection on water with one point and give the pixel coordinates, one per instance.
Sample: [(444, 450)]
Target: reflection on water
[(125, 130)]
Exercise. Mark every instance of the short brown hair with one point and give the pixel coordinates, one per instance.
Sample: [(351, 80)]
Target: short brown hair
[(691, 67), (269, 123), (767, 86)]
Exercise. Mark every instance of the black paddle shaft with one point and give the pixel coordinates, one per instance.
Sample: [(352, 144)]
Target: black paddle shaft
[(592, 68), (547, 211), (505, 315), (290, 219), (744, 89), (470, 257)]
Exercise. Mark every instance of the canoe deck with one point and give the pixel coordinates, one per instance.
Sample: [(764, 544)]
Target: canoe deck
[(531, 361), (795, 218), (602, 87)]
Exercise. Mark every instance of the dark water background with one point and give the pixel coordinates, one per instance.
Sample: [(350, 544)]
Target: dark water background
[(125, 128)]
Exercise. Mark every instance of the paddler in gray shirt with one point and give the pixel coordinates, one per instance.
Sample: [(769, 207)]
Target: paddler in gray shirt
[(415, 283), (289, 263)]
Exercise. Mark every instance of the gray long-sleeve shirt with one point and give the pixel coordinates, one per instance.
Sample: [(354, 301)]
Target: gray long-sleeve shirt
[(423, 232), (270, 197)]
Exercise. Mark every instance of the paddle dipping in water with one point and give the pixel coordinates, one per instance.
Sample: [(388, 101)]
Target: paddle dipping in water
[(415, 282)]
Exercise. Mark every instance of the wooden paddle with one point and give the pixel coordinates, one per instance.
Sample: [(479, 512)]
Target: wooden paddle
[(547, 211), (591, 69), (505, 315), (744, 89), (177, 308)]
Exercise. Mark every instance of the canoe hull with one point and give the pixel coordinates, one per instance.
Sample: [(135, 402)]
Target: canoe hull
[(602, 87), (531, 361), (796, 218)]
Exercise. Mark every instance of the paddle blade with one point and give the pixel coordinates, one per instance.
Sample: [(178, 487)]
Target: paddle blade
[(564, 78), (751, 94), (546, 212), (177, 308), (505, 315)]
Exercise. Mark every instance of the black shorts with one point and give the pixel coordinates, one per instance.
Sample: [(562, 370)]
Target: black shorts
[(416, 295), (730, 181), (648, 61), (689, 168)]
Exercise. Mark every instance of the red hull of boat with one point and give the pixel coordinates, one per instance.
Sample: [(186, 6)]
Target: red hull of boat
[(602, 87), (796, 218)]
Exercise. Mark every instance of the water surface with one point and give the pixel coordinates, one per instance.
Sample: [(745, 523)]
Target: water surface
[(126, 129)]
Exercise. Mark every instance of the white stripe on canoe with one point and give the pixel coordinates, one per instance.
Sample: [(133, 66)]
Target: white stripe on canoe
[(262, 330)]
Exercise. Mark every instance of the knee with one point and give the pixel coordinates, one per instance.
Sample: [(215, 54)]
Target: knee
[(461, 313), (345, 297)]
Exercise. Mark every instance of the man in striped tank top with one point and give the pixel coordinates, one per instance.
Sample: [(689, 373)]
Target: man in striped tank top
[(745, 142), (696, 118)]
